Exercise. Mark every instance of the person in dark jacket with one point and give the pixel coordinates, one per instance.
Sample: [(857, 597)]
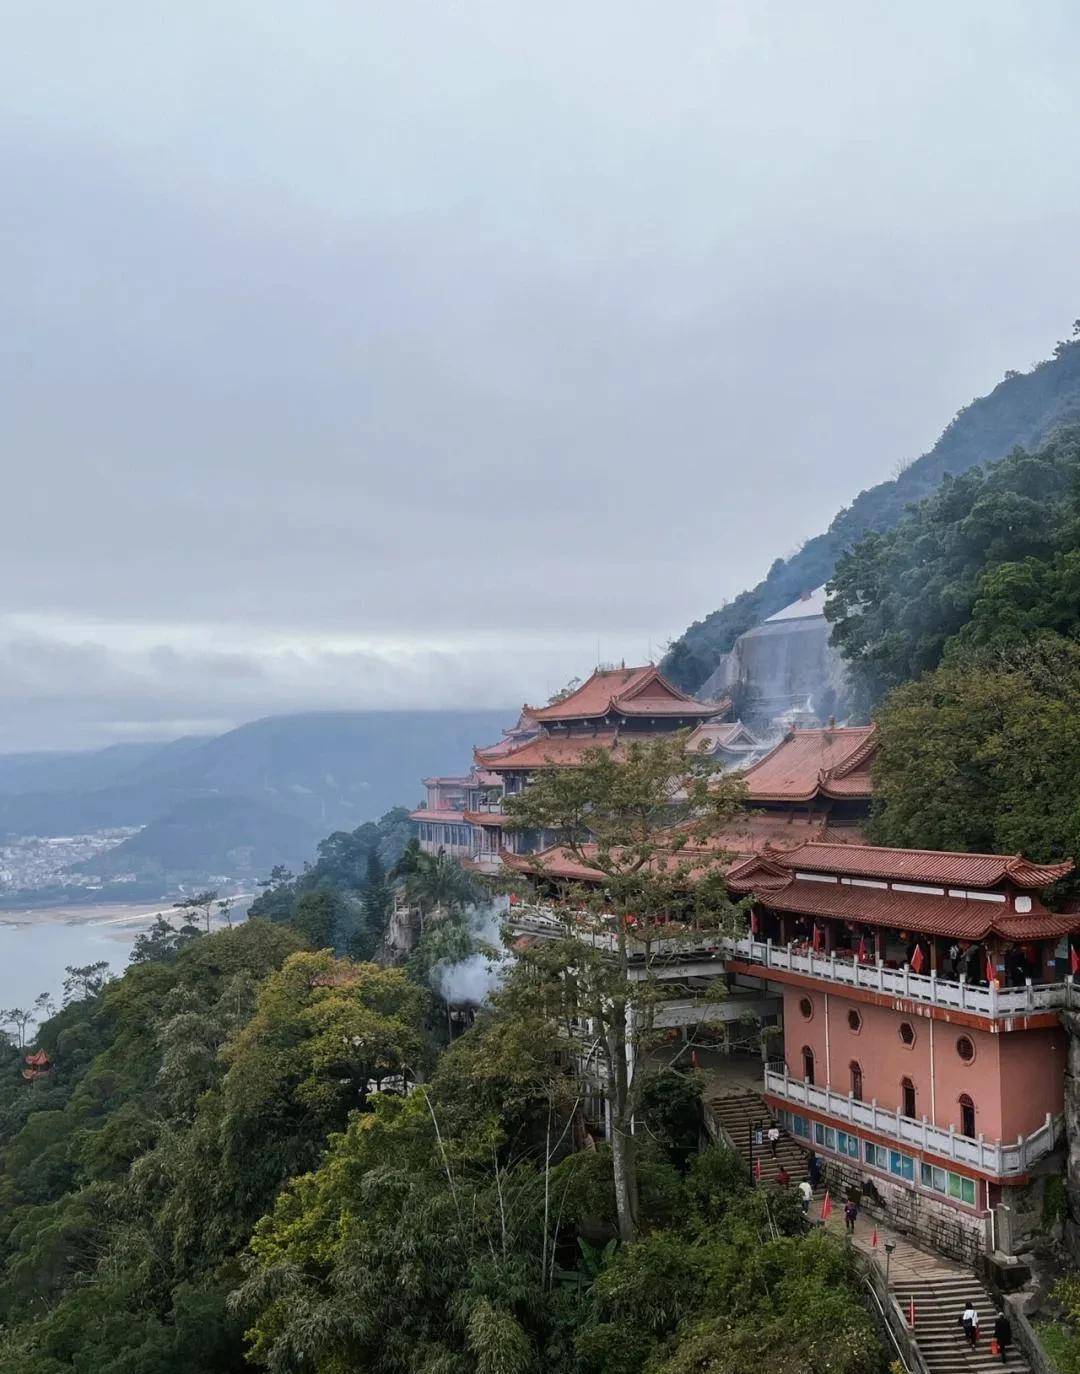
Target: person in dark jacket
[(1003, 1334)]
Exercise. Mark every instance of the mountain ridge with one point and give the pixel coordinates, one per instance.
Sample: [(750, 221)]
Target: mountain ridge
[(1024, 409)]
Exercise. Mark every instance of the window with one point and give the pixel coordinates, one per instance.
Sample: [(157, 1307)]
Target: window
[(876, 1155), (847, 1144), (965, 1048), (806, 1008), (854, 1021), (808, 1064), (856, 1080), (800, 1126), (956, 1186), (903, 1166), (907, 1033), (825, 1136), (907, 1097), (967, 1115)]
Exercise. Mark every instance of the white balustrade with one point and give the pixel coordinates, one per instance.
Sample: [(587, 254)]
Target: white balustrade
[(991, 1157), (931, 989)]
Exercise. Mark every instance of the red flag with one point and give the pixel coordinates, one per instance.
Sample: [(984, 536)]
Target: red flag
[(873, 1240), (817, 943), (862, 949), (1074, 961), (991, 972), (757, 1168), (917, 960), (826, 1206)]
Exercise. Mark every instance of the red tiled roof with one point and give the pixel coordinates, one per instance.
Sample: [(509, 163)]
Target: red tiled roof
[(627, 691), (808, 763), (555, 862), (486, 818), (426, 814), (550, 751), (718, 734), (940, 867), (959, 917)]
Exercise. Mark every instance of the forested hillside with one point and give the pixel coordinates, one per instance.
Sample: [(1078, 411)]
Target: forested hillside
[(219, 1172), (1025, 409), (961, 629)]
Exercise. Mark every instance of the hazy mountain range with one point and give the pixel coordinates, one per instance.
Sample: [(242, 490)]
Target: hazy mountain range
[(238, 803)]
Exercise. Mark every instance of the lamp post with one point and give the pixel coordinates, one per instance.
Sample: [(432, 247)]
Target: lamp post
[(890, 1246)]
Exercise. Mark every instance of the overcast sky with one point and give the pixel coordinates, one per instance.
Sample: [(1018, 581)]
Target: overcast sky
[(410, 353)]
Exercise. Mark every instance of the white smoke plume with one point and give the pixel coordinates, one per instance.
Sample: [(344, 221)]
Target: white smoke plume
[(470, 981)]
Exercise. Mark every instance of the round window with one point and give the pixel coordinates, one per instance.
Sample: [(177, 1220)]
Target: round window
[(907, 1033), (965, 1048), (806, 1007), (854, 1020)]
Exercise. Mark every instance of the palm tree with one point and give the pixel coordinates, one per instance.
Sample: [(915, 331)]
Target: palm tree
[(436, 881)]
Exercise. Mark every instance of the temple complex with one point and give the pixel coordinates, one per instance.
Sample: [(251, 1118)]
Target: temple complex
[(464, 816)]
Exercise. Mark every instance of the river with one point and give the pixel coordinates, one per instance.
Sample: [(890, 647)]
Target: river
[(37, 944)]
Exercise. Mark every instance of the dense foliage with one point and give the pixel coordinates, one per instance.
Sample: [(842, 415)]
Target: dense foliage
[(1024, 409), (221, 1168), (991, 556)]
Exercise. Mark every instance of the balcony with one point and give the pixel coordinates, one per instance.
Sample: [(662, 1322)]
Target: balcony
[(994, 1001), (988, 1157)]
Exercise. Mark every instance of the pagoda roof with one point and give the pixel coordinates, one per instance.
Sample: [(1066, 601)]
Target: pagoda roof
[(38, 1059), (640, 691), (431, 814), (496, 818), (963, 918), (711, 735), (549, 751), (833, 762), (943, 868)]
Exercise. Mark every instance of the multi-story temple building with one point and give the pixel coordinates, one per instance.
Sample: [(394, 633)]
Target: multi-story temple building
[(917, 993), (464, 816), (922, 1048)]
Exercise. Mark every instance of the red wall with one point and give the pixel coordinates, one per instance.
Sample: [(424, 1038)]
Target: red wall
[(1014, 1080)]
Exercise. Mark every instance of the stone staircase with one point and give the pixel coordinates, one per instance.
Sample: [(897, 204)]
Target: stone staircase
[(939, 1286), (737, 1114), (939, 1300)]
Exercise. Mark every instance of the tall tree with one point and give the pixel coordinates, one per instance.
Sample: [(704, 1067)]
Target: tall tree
[(646, 819)]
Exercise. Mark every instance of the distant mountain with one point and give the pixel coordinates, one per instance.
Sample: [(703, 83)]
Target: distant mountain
[(1025, 409), (298, 776), (204, 836)]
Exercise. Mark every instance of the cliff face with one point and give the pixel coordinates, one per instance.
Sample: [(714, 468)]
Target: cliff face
[(1025, 409), (1072, 1132)]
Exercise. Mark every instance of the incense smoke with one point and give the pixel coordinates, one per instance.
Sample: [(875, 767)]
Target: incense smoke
[(469, 981)]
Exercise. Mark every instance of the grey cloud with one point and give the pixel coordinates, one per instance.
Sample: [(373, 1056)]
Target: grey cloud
[(423, 323)]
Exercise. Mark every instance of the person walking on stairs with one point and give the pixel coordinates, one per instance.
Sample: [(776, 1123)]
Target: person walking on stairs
[(851, 1215), (1003, 1334), (783, 1178), (969, 1320), (774, 1136), (805, 1195)]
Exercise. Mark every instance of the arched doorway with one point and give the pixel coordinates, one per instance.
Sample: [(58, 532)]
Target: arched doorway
[(967, 1115), (856, 1080), (808, 1064), (907, 1097)]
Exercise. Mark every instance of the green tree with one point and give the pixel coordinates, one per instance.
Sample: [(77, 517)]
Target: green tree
[(984, 754), (646, 819)]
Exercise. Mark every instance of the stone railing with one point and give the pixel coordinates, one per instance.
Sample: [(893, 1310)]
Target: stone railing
[(988, 1156), (995, 1002), (956, 995)]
